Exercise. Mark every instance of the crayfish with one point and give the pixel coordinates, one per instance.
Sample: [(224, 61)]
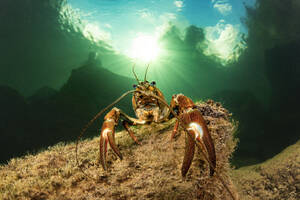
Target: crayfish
[(150, 106)]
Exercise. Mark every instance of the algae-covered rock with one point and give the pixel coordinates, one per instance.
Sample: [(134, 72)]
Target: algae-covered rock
[(148, 171), (277, 178)]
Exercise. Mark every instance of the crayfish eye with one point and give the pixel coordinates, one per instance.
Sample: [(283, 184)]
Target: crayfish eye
[(134, 86), (153, 83)]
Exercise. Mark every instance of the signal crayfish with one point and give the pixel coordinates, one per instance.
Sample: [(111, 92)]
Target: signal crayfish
[(149, 105)]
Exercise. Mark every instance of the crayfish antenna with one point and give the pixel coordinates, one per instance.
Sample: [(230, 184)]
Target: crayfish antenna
[(136, 78), (145, 78)]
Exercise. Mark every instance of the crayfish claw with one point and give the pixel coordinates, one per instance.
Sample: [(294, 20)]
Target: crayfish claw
[(202, 135), (103, 148), (188, 153), (198, 131), (112, 143), (209, 145), (107, 136)]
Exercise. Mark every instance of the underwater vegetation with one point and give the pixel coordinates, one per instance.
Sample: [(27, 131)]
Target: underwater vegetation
[(55, 76), (151, 170), (54, 79), (276, 178)]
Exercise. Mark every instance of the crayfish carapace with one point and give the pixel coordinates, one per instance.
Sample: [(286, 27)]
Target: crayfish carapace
[(150, 106)]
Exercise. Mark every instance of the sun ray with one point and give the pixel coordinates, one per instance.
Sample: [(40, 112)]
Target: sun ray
[(144, 48)]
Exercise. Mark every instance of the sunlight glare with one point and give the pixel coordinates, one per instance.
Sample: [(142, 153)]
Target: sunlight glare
[(144, 48)]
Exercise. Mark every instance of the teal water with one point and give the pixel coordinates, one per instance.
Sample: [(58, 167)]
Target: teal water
[(62, 61)]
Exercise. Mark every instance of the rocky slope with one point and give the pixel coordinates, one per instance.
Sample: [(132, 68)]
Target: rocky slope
[(150, 170), (275, 179)]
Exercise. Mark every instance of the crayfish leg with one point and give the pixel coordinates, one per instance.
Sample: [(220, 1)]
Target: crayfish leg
[(175, 130), (130, 132)]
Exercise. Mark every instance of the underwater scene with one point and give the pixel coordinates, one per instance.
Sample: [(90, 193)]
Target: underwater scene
[(149, 99)]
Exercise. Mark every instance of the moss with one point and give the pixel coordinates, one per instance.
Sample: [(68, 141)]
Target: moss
[(276, 178), (151, 170), (148, 171)]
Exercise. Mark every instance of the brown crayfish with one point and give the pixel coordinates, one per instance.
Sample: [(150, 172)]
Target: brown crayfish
[(149, 106)]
